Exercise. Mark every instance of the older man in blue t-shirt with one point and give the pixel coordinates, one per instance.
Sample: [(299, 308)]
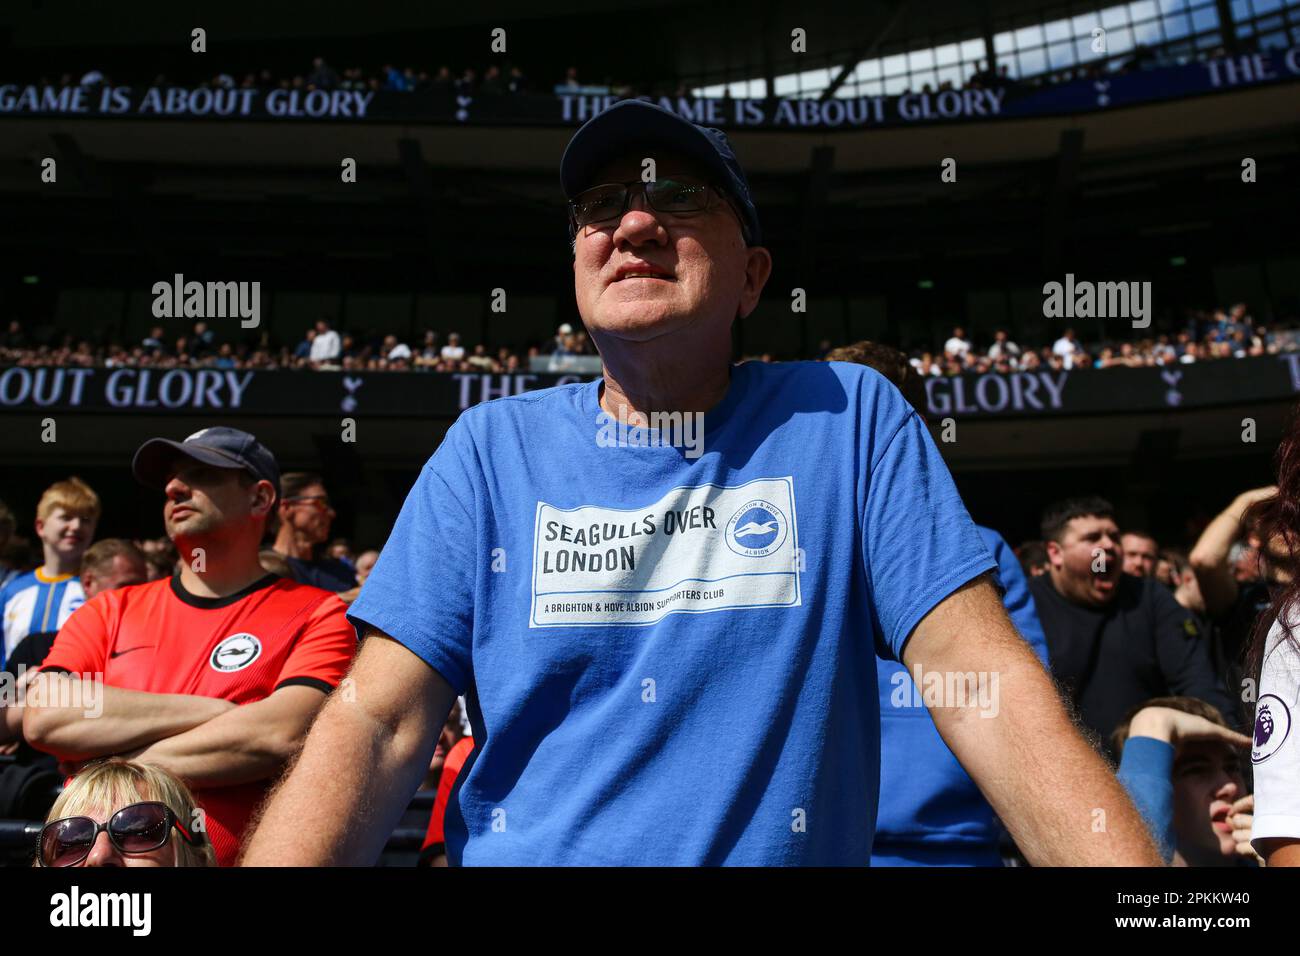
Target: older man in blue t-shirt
[(663, 592)]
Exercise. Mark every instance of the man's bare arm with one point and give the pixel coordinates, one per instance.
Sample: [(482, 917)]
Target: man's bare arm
[(364, 757), (1209, 558), (247, 743), (1032, 765), (77, 720)]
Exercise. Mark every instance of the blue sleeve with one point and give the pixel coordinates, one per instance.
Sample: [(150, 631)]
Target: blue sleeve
[(4, 601), (1015, 593), (1146, 770), (919, 542), (421, 590)]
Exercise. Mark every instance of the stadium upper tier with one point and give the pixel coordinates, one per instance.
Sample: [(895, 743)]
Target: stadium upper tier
[(778, 48)]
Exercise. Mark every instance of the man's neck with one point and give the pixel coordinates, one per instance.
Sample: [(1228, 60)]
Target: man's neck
[(293, 545), (664, 376), (220, 579)]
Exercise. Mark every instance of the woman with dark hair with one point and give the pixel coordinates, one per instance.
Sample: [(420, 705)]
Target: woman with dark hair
[(1275, 657)]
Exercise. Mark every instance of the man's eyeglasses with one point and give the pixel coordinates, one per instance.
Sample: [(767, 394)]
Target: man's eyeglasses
[(138, 828), (679, 196), (320, 502)]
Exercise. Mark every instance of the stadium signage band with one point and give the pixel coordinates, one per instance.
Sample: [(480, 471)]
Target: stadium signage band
[(288, 394), (1006, 101)]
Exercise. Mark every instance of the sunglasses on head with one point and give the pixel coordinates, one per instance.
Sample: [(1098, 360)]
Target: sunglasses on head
[(679, 196), (138, 828)]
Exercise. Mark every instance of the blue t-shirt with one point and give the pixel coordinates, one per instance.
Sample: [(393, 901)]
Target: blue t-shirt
[(670, 657), (931, 812)]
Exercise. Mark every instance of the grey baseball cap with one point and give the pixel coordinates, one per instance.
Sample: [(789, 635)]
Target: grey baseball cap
[(220, 447)]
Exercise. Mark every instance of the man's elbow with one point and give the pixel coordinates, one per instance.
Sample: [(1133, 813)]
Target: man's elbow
[(283, 745), (287, 736), (43, 728)]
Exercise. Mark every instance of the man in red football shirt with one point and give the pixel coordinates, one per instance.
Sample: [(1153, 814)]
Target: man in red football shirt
[(454, 748), (214, 674)]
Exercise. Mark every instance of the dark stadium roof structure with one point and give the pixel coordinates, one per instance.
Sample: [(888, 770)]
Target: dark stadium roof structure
[(634, 39)]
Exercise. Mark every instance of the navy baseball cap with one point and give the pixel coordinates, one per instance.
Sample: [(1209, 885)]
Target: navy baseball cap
[(220, 447), (632, 124)]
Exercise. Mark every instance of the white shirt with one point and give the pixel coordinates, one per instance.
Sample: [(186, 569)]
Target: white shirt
[(453, 353), (325, 346), (399, 351), (1275, 750), (956, 346), (1065, 348)]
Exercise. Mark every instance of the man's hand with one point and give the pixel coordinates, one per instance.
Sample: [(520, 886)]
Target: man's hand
[(1060, 801), (1254, 496), (1209, 557), (1177, 727), (364, 757), (247, 743), (75, 720), (11, 716), (1242, 819)]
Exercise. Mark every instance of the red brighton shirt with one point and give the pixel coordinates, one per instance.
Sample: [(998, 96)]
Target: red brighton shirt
[(157, 637)]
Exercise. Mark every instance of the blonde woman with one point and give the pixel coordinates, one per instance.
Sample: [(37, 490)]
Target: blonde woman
[(118, 813)]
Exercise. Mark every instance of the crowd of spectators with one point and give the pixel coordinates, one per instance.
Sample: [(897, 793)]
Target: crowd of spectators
[(1207, 336), (46, 578), (498, 79), (1189, 606), (323, 76), (1146, 638), (493, 80), (321, 347)]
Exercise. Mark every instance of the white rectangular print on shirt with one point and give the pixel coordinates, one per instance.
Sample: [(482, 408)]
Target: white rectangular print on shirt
[(697, 549)]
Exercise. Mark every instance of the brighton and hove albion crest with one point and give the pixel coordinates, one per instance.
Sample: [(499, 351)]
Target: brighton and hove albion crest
[(235, 653), (757, 529)]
